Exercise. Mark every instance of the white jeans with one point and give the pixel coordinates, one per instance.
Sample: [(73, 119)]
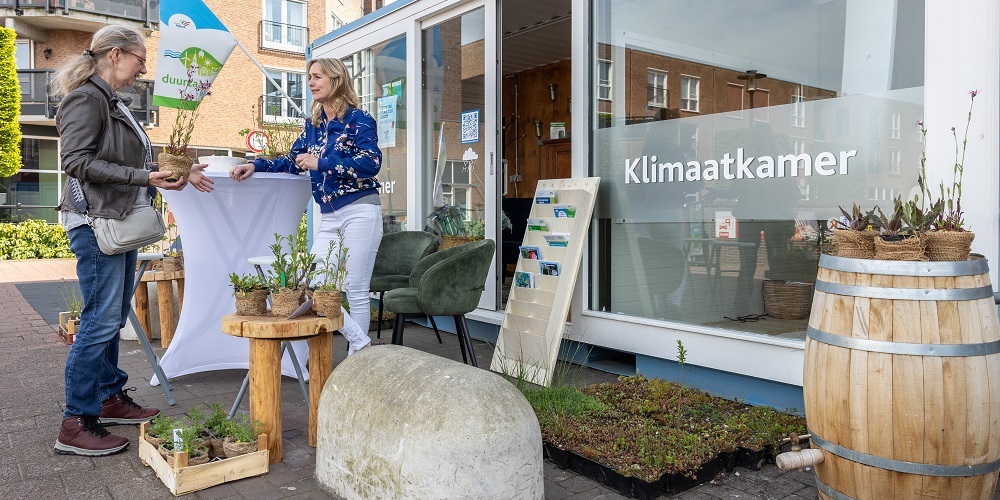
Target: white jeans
[(361, 224)]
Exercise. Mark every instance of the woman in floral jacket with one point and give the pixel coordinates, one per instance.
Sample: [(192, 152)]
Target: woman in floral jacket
[(339, 149)]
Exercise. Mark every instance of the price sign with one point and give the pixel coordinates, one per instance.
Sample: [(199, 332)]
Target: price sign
[(256, 141)]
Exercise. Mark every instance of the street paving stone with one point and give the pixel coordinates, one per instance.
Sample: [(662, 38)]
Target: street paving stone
[(31, 371)]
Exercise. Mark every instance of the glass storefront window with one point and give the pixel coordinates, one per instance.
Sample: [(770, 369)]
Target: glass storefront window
[(379, 74), (33, 192), (762, 135)]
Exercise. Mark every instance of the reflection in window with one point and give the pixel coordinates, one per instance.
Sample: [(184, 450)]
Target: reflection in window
[(798, 108), (689, 93), (656, 88), (604, 80), (895, 161), (894, 131)]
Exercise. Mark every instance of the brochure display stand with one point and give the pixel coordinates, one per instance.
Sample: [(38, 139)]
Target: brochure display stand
[(546, 273)]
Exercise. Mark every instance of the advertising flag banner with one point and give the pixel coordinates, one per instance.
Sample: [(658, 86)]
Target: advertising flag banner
[(194, 45)]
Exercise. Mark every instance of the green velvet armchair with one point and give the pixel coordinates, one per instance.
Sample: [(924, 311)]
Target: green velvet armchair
[(397, 254), (446, 283)]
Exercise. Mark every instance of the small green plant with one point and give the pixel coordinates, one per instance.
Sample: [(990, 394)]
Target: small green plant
[(333, 270), (74, 303), (858, 220), (162, 427), (919, 218), (292, 269), (246, 283), (244, 430), (217, 421), (892, 226), (681, 356), (191, 440)]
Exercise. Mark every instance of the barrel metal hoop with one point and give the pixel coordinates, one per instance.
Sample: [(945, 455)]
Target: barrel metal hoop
[(905, 348), (830, 492), (876, 292), (905, 467), (905, 268)]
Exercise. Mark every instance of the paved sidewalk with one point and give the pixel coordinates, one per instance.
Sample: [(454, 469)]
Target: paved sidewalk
[(31, 388)]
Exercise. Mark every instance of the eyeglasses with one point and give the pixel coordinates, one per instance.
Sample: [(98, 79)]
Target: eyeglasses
[(142, 60)]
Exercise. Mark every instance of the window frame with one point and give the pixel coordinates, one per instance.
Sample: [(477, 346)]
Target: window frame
[(610, 80), (686, 97), (284, 42), (798, 102), (287, 112), (658, 90)]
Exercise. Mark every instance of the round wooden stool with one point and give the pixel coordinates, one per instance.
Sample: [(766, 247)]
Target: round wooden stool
[(266, 333)]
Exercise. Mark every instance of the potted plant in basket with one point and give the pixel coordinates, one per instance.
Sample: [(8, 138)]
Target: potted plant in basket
[(897, 242), (327, 297), (854, 239), (242, 436), (217, 424), (191, 442), (251, 294), (175, 154), (290, 271), (949, 241), (69, 321), (161, 430)]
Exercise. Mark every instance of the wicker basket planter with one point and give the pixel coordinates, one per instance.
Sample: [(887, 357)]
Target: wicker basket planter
[(787, 299), (252, 303), (327, 303), (942, 246), (179, 166)]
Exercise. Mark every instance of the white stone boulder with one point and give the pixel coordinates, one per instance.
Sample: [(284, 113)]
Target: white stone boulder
[(398, 423)]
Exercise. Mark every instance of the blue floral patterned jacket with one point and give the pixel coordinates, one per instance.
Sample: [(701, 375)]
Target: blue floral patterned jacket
[(349, 159)]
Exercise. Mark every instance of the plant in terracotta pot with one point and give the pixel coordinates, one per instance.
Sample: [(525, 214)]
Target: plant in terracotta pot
[(242, 435), (949, 241), (327, 297), (896, 241), (175, 156), (855, 239), (290, 271), (251, 294)]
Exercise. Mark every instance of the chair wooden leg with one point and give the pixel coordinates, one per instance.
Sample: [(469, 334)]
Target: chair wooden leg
[(461, 338), (380, 308), (397, 329), (436, 332), (468, 341)]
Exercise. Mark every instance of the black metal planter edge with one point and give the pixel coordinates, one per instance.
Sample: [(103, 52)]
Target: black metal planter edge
[(672, 483)]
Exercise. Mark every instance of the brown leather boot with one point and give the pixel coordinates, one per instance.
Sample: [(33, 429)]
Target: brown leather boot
[(121, 409), (86, 436)]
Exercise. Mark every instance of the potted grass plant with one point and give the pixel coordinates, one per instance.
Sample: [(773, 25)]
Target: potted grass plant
[(241, 436), (251, 294), (328, 296)]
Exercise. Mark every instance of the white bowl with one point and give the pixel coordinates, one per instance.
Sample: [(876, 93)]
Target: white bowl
[(221, 163)]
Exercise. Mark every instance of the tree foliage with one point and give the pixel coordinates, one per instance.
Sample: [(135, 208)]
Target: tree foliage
[(10, 106)]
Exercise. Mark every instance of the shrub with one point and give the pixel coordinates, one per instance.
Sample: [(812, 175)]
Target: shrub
[(33, 239), (10, 106)]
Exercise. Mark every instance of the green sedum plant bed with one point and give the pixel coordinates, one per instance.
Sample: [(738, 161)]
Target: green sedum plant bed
[(650, 429)]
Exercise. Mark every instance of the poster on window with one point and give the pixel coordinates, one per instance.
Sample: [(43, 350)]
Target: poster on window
[(387, 121), (470, 126), (726, 226)]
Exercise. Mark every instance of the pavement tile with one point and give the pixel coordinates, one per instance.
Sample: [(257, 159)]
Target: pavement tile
[(33, 489)]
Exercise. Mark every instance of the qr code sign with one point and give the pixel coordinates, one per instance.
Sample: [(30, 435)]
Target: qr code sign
[(470, 126)]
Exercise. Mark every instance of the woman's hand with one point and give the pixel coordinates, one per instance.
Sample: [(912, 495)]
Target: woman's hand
[(159, 181), (199, 180), (306, 161), (241, 172)]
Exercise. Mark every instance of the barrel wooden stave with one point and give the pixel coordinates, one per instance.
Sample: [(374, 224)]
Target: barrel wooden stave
[(922, 409)]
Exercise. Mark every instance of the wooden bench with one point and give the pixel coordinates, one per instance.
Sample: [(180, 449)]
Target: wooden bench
[(165, 302)]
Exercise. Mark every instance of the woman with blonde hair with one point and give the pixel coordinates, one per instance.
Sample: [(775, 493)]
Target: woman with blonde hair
[(339, 150), (104, 153)]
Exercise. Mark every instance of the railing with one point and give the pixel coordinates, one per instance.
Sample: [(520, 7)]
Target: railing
[(36, 99), (280, 37), (144, 11)]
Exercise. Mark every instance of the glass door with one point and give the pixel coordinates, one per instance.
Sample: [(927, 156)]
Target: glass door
[(459, 123)]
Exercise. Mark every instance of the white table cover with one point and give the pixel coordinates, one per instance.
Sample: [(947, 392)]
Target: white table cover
[(219, 231)]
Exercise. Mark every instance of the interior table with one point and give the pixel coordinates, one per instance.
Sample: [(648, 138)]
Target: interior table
[(266, 334), (220, 230)]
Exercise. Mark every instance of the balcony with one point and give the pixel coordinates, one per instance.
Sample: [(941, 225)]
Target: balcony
[(280, 37), (80, 15), (38, 106)]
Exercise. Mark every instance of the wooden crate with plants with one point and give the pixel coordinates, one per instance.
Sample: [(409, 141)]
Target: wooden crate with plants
[(201, 451), (69, 320)]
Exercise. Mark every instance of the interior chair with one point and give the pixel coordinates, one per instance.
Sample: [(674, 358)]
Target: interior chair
[(397, 254), (446, 283)]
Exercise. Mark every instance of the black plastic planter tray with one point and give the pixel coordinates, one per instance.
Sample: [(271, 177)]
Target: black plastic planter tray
[(668, 483)]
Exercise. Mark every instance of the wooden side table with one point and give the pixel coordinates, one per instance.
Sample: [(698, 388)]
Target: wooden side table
[(165, 302), (266, 333)]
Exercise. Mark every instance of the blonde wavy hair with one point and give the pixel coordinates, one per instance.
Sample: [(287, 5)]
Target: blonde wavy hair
[(80, 68), (344, 96)]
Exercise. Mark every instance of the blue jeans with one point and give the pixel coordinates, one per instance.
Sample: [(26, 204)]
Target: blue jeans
[(106, 282)]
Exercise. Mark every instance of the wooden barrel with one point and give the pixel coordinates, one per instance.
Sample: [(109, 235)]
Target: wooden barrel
[(902, 379)]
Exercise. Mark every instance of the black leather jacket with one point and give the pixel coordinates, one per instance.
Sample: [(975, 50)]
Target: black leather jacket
[(101, 149)]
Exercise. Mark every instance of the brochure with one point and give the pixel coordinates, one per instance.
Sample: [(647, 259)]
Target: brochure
[(564, 211), (536, 225), (524, 279), (557, 130), (545, 197), (557, 239), (530, 252), (548, 268)]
